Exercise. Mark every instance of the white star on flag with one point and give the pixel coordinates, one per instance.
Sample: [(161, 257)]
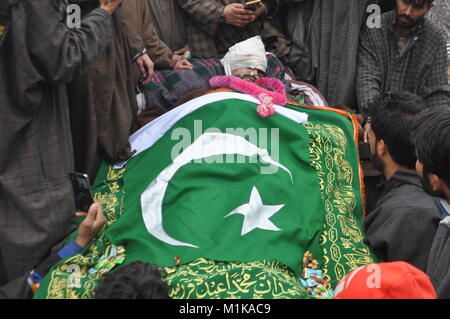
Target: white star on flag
[(256, 214)]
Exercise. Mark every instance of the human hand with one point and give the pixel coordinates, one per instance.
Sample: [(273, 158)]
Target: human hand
[(182, 51), (146, 67), (181, 54), (110, 5), (177, 57), (183, 64), (260, 10), (237, 16), (91, 225), (366, 132), (360, 122)]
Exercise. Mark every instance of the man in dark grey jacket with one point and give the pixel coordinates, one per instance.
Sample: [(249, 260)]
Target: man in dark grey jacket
[(404, 221), (38, 56), (407, 53), (431, 138)]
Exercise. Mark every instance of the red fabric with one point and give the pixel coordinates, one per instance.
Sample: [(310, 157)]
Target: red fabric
[(394, 280)]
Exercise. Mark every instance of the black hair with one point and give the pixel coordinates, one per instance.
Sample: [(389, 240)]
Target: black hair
[(137, 280), (431, 136), (393, 123), (419, 1)]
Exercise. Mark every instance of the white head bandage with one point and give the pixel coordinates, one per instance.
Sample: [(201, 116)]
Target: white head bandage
[(248, 54)]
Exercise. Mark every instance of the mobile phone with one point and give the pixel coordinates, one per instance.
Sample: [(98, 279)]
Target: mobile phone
[(252, 5), (82, 192)]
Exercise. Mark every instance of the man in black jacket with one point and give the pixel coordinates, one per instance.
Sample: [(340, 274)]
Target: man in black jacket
[(431, 138), (404, 221)]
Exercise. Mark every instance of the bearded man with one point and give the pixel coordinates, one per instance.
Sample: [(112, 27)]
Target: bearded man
[(405, 219), (408, 53), (430, 135)]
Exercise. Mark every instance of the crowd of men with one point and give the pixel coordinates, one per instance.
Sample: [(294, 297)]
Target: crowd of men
[(68, 101)]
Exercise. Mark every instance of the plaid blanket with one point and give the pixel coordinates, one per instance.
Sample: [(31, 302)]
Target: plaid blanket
[(168, 86)]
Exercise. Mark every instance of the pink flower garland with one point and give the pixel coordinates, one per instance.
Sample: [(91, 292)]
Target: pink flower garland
[(267, 98)]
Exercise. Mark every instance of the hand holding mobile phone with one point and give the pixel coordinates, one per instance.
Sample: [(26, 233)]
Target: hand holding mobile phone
[(91, 225), (252, 5), (82, 192)]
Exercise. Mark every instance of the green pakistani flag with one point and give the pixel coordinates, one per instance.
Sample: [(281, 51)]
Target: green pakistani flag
[(222, 186), (227, 202)]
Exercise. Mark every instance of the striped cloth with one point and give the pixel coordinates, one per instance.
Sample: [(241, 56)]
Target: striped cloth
[(168, 86)]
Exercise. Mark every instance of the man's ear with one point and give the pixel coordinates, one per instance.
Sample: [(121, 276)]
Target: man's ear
[(381, 148), (431, 5), (436, 182)]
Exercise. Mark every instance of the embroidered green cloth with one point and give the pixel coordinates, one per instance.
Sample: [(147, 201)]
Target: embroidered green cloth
[(237, 233)]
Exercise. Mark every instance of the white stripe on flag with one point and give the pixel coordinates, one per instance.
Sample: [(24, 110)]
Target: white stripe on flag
[(148, 135)]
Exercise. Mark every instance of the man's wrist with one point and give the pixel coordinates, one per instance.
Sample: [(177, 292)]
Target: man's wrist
[(71, 249), (82, 241), (139, 54), (264, 7), (222, 19), (367, 120)]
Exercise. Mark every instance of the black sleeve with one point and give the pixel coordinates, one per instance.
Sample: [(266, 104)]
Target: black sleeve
[(19, 287), (16, 289), (405, 234)]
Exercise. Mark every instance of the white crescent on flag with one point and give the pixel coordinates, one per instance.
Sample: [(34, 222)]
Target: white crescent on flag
[(208, 144)]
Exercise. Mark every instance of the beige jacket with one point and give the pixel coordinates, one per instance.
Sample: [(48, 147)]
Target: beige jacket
[(142, 34)]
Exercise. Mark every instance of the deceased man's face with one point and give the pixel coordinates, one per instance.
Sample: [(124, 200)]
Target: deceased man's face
[(249, 75)]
